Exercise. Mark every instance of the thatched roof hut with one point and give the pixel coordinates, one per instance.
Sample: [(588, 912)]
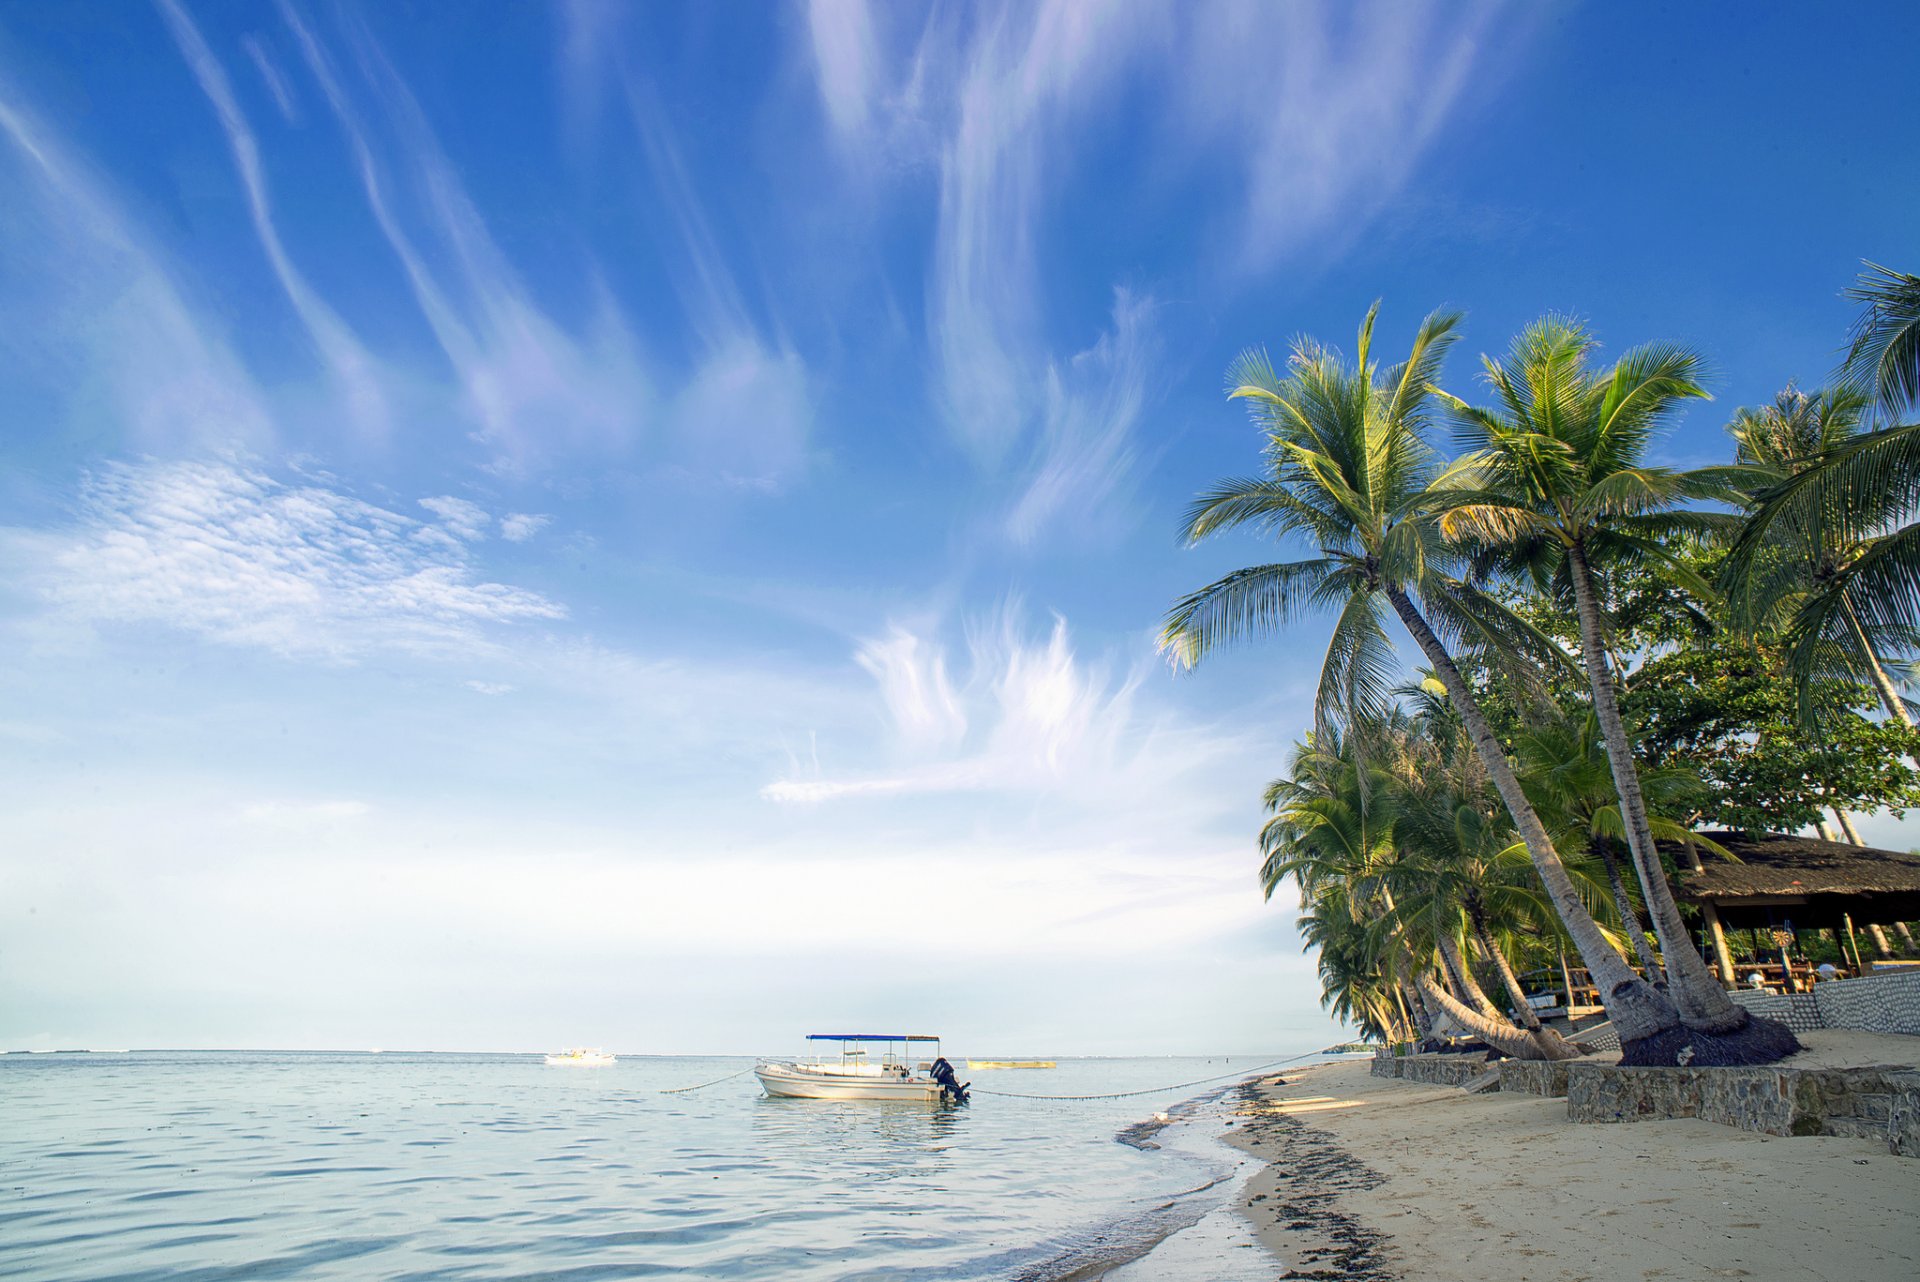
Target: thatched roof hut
[(1806, 880)]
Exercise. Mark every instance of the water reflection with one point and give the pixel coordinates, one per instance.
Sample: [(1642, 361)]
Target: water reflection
[(484, 1167)]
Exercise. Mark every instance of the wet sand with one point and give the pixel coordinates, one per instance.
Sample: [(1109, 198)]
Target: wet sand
[(1369, 1178)]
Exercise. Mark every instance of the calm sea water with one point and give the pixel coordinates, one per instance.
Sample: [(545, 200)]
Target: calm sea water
[(205, 1166)]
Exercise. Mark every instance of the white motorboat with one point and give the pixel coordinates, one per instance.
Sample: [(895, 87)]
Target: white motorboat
[(580, 1057), (892, 1072)]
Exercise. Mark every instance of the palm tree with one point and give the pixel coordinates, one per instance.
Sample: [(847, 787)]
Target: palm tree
[(1462, 872), (1565, 770), (1349, 472), (1801, 578), (1858, 489), (1883, 359), (1334, 832), (1557, 480)]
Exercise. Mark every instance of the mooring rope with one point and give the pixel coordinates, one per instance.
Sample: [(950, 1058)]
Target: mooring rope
[(682, 1090), (1155, 1090)]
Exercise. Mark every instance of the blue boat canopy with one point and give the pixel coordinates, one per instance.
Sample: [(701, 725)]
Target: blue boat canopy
[(869, 1037)]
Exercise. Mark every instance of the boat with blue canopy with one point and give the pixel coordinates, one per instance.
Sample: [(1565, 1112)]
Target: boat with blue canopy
[(865, 1066)]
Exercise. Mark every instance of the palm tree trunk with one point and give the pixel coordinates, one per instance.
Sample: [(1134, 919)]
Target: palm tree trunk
[(1702, 1002), (1623, 903), (1416, 1009), (1648, 1025), (1522, 1008), (1881, 943), (1503, 1037), (1889, 696), (1469, 988)]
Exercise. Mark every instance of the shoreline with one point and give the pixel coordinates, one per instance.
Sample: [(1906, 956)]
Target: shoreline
[(1374, 1179)]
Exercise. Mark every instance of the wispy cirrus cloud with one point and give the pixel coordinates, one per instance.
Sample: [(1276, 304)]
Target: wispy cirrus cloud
[(1328, 110), (353, 367), (109, 337), (227, 552), (1085, 449), (1318, 116), (1029, 716), (533, 383)]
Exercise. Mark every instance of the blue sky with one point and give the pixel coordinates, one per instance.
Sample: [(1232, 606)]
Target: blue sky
[(645, 524)]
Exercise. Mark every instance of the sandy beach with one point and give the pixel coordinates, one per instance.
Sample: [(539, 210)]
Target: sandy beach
[(1368, 1178)]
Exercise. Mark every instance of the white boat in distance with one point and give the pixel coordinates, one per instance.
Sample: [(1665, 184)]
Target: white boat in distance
[(580, 1057), (896, 1075)]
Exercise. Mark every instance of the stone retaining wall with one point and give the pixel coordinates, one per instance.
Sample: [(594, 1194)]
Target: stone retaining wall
[(1433, 1070), (1883, 1003), (1534, 1076), (1865, 1103)]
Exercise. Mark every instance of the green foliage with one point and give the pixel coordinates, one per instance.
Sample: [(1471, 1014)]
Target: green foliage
[(1721, 706)]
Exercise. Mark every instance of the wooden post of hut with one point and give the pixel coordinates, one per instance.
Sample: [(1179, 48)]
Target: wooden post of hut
[(1854, 944), (1817, 884)]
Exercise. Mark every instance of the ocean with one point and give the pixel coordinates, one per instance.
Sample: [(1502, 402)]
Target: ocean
[(252, 1166)]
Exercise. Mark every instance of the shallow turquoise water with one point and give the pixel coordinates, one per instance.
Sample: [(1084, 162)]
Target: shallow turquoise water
[(244, 1165)]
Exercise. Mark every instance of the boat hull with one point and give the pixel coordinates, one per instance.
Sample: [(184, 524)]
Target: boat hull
[(784, 1081)]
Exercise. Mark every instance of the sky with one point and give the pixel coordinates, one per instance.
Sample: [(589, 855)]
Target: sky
[(645, 525)]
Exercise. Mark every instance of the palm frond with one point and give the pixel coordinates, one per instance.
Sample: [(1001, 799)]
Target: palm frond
[(1883, 356), (1246, 603)]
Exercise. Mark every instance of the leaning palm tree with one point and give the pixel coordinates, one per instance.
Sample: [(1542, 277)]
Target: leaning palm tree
[(1803, 573), (1349, 473), (1462, 875), (1333, 832), (1557, 479)]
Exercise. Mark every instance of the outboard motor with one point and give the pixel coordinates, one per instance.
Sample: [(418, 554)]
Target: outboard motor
[(950, 1085)]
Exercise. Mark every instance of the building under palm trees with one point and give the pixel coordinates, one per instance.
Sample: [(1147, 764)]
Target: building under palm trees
[(1778, 887)]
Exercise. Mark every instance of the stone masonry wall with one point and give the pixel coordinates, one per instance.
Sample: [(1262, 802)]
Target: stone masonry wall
[(1433, 1070), (1883, 1003), (1865, 1103), (1534, 1076)]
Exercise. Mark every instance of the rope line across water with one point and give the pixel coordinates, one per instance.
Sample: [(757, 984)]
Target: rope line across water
[(1155, 1090), (682, 1090)]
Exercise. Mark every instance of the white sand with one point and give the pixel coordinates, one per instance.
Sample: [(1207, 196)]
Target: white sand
[(1479, 1186)]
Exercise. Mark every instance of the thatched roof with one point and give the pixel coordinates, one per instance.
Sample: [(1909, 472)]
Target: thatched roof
[(1773, 866)]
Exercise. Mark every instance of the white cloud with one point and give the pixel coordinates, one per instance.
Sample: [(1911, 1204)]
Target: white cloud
[(1084, 453), (119, 345), (464, 519), (1021, 88), (490, 687), (920, 699), (272, 77), (518, 527), (1029, 717), (1320, 114), (350, 362), (1328, 110), (745, 412), (534, 385), (228, 553), (842, 39)]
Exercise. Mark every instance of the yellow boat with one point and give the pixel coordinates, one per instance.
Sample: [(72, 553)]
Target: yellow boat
[(1010, 1063)]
